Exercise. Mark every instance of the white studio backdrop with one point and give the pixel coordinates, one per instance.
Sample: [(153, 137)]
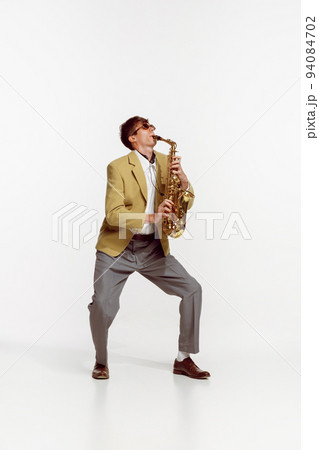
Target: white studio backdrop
[(219, 78)]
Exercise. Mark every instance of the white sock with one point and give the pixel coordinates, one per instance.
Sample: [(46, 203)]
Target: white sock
[(181, 356)]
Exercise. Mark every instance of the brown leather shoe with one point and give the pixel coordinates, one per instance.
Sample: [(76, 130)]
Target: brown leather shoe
[(100, 372), (188, 367)]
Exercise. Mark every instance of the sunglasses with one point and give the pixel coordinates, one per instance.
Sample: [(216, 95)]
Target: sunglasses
[(145, 126)]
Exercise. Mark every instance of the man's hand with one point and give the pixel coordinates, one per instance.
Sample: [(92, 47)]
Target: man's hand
[(177, 170), (163, 210)]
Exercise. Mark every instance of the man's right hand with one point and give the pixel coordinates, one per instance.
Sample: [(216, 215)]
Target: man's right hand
[(165, 208)]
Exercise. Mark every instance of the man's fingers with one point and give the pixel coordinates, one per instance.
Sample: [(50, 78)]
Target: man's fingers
[(167, 203), (166, 206)]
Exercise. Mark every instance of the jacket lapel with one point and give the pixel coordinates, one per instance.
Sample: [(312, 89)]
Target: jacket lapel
[(138, 173), (160, 178)]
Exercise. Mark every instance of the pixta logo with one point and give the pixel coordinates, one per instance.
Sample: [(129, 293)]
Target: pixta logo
[(234, 226), (73, 225)]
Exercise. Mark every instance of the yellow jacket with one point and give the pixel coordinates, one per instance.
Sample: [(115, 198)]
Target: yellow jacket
[(126, 192)]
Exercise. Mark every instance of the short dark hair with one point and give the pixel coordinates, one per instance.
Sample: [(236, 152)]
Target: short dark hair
[(127, 129)]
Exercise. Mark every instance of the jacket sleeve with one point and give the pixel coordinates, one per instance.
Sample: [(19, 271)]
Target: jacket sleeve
[(191, 200), (116, 213)]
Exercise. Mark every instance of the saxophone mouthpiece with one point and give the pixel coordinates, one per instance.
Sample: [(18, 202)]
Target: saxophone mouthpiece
[(168, 141)]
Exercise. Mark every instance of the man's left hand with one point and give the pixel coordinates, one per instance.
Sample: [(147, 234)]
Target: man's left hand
[(177, 170)]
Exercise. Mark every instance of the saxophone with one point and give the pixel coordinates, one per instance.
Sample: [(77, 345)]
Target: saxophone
[(174, 225)]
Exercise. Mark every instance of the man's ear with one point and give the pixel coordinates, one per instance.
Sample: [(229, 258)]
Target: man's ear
[(131, 138)]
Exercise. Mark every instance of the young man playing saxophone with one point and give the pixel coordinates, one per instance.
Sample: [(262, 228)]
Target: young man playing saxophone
[(129, 242)]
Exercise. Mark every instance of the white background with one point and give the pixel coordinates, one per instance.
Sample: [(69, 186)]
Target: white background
[(310, 241), (223, 81)]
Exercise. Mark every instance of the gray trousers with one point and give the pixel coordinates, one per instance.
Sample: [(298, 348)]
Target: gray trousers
[(147, 258)]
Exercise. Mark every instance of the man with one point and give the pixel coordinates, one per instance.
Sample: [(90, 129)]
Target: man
[(129, 241)]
